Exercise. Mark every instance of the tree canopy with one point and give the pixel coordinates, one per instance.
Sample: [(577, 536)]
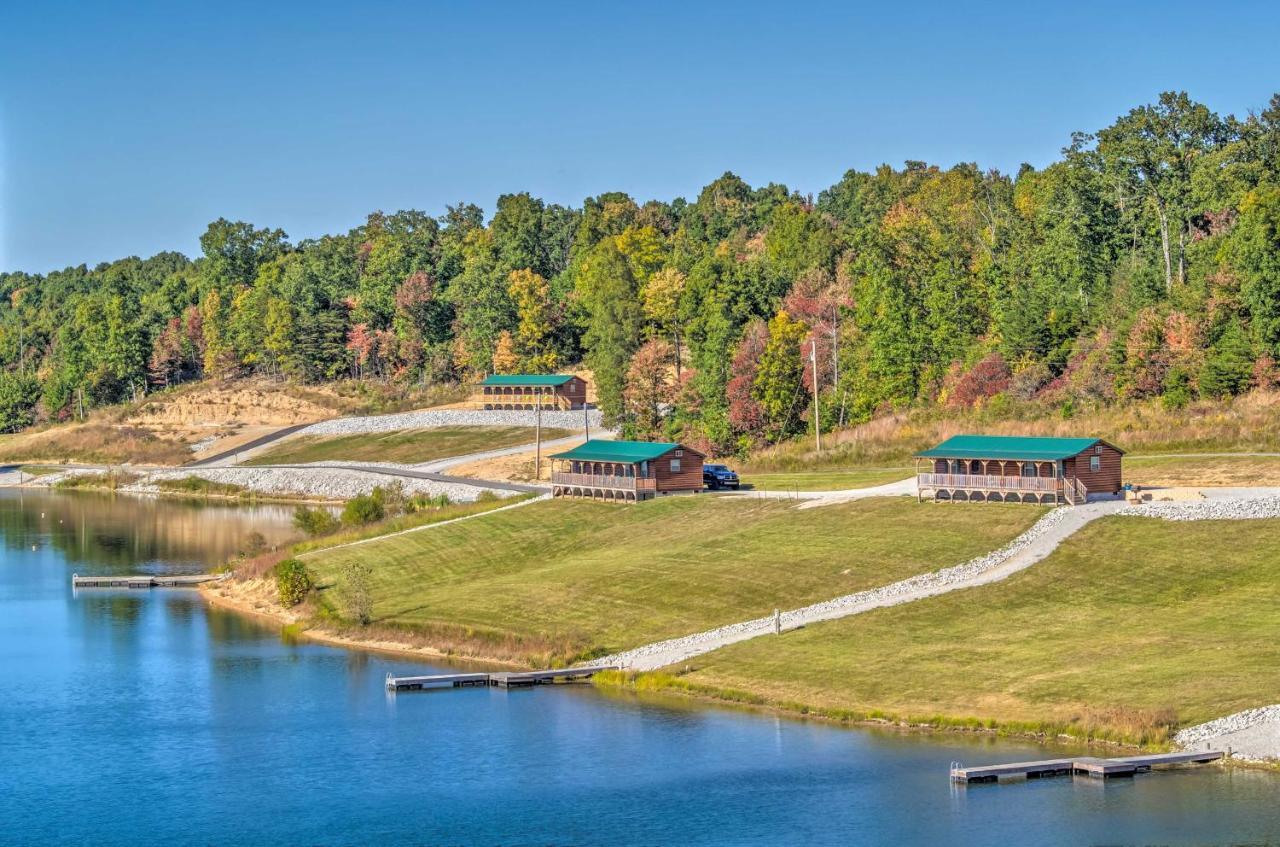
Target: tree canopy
[(1145, 261)]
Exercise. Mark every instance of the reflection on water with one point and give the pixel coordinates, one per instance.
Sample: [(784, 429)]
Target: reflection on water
[(120, 532), (147, 717)]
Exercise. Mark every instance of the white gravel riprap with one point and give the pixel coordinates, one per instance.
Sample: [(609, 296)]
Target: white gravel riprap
[(318, 481), (1253, 508), (1252, 734), (1025, 550), (451, 417)]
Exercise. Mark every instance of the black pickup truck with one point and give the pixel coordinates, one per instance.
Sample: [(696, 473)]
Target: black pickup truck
[(719, 476)]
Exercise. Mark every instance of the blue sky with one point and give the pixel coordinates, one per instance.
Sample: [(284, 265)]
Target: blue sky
[(126, 128)]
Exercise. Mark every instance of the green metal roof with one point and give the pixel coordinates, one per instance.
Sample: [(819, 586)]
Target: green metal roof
[(526, 379), (1015, 447), (626, 452)]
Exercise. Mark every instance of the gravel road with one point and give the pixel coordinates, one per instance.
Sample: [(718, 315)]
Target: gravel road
[(451, 417), (330, 483)]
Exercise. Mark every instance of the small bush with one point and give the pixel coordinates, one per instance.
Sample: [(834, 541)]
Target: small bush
[(292, 582), (364, 509), (198, 485), (314, 521), (355, 576), (255, 545)]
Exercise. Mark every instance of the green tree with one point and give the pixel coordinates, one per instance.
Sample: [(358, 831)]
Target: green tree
[(607, 290), (1229, 365), (18, 396)]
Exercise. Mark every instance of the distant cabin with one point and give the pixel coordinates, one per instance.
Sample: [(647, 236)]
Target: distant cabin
[(626, 471), (1024, 469), (521, 391)]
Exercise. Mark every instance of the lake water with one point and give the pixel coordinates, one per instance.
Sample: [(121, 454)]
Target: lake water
[(147, 717)]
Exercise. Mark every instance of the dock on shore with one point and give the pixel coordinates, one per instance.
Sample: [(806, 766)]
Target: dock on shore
[(1082, 765), (143, 581), (501, 679)]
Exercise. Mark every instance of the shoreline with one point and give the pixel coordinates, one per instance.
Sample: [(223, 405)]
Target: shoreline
[(236, 597), (247, 498), (224, 596)]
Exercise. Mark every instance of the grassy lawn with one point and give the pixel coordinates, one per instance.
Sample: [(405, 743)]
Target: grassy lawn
[(410, 446), (566, 579), (833, 480), (1130, 626), (1202, 470)]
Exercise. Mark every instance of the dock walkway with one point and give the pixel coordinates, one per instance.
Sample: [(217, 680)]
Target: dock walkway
[(143, 581), (1081, 765), (501, 679)]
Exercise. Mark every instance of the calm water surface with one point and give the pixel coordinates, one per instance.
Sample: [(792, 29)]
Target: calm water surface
[(148, 718)]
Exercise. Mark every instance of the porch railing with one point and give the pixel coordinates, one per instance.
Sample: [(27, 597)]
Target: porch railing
[(613, 481), (991, 482)]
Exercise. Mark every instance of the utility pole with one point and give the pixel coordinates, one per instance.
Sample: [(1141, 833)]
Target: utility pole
[(586, 418), (537, 434), (817, 425)]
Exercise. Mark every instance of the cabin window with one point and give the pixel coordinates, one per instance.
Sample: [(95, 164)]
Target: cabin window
[(1095, 464), (677, 452), (1097, 449), (1030, 470), (675, 466)]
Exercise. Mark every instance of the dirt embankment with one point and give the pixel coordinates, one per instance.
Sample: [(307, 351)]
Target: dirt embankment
[(173, 427), (257, 597)]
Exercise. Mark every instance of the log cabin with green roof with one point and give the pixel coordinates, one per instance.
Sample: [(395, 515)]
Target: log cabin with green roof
[(525, 391), (626, 471), (1020, 469)]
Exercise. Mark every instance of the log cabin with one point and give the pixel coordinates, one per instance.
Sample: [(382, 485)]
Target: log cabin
[(1023, 469), (626, 471), (522, 391)]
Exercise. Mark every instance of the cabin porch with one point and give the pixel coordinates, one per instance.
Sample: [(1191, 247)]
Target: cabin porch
[(613, 481), (520, 397), (1000, 480)]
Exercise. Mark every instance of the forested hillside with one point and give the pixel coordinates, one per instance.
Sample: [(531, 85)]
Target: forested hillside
[(1146, 261)]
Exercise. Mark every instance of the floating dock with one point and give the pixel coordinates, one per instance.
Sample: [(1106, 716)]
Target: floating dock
[(1082, 766), (143, 581), (502, 679)]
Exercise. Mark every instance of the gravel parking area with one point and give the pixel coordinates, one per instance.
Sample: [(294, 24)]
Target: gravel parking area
[(451, 417), (1252, 508)]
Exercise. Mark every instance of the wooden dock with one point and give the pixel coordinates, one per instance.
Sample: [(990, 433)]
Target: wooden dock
[(1082, 766), (142, 581), (501, 679)]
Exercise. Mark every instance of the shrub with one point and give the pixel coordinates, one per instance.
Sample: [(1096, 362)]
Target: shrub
[(1177, 389), (355, 577), (364, 509), (314, 521), (254, 545), (292, 582)]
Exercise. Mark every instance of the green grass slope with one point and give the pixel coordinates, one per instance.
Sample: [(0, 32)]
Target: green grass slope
[(407, 446), (566, 579), (1132, 626)]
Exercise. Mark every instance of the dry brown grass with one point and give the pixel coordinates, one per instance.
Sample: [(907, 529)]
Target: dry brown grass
[(93, 443), (1248, 423)]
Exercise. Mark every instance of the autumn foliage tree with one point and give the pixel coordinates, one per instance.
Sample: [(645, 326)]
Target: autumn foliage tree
[(651, 389), (779, 383)]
